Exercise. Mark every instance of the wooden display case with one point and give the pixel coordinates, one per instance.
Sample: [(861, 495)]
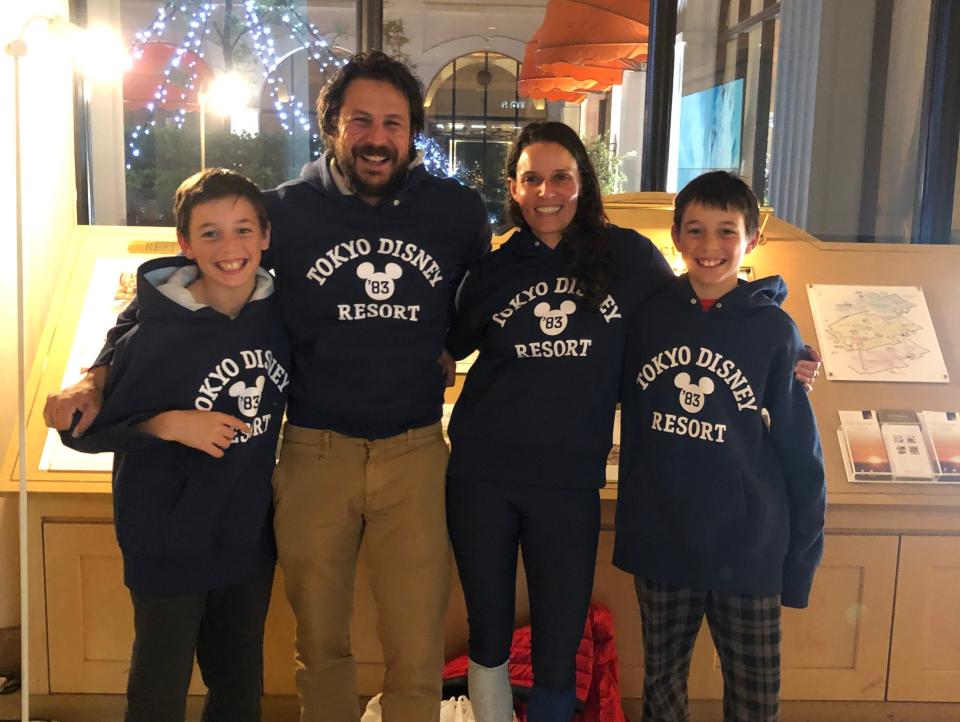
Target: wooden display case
[(880, 623)]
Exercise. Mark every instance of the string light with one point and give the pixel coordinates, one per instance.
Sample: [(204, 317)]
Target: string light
[(265, 24), (435, 161)]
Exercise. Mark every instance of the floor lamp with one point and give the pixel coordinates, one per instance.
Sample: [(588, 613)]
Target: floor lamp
[(96, 48)]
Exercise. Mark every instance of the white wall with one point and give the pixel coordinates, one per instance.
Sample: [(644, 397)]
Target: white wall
[(49, 218)]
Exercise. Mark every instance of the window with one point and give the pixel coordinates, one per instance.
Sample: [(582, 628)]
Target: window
[(143, 138), (231, 83), (842, 115), (726, 61), (474, 112)]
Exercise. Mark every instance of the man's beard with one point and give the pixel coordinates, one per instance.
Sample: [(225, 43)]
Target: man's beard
[(346, 162)]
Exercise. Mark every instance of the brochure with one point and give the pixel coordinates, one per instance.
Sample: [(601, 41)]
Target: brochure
[(941, 429), (900, 446)]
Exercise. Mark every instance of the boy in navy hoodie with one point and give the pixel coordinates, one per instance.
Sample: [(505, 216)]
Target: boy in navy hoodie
[(193, 404), (722, 497)]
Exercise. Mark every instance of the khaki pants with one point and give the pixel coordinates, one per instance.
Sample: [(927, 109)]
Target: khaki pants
[(331, 492)]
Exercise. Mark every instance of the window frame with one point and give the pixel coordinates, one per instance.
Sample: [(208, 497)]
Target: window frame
[(940, 134)]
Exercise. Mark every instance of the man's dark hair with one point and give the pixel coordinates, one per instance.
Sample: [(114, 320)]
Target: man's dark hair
[(592, 261), (374, 65), (213, 184), (722, 190)]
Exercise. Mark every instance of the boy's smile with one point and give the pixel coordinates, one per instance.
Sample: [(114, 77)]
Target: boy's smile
[(226, 241), (713, 242)]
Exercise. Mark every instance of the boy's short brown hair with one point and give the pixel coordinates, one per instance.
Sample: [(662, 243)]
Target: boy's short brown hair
[(723, 190), (213, 184)]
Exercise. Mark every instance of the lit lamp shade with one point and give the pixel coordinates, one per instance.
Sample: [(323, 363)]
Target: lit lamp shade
[(148, 76), (599, 37), (534, 82)]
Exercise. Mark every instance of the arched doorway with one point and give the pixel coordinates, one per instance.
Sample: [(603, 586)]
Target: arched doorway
[(474, 113)]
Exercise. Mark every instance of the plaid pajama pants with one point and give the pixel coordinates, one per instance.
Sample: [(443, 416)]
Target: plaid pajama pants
[(746, 633)]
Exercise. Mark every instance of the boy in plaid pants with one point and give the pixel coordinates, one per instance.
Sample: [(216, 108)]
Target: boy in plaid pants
[(722, 498)]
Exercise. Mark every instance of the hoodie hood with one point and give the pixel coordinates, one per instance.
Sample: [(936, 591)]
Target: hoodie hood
[(166, 279), (323, 175), (747, 296)]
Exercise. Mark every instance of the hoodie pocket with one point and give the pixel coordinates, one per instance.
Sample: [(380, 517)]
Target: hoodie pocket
[(709, 511)]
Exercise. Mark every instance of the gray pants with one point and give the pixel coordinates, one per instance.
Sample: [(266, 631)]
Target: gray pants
[(224, 628)]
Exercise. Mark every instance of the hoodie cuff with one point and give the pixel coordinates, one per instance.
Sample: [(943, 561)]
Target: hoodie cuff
[(796, 593)]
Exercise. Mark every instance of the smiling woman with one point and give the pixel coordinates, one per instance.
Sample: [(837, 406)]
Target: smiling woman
[(546, 186), (531, 430)]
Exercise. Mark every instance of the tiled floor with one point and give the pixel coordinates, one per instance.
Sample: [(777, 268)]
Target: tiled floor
[(105, 708)]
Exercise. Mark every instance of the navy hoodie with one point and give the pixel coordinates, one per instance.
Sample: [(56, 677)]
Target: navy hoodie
[(537, 406), (367, 296), (187, 522), (709, 496)]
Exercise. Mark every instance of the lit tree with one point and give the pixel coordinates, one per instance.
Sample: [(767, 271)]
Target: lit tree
[(242, 28)]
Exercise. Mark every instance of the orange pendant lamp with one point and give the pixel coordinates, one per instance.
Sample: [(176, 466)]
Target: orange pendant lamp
[(593, 39), (534, 82)]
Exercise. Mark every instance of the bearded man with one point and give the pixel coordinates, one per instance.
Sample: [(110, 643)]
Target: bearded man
[(368, 250)]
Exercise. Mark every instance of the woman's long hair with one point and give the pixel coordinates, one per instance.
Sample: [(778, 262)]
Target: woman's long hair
[(592, 263)]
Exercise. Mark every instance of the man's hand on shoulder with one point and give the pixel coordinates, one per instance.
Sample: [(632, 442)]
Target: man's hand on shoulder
[(85, 397)]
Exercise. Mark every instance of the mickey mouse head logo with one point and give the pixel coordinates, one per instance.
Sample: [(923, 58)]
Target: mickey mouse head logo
[(379, 285), (248, 397), (692, 395), (553, 322)]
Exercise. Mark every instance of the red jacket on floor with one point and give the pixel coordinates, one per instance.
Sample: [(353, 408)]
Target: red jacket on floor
[(598, 674)]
